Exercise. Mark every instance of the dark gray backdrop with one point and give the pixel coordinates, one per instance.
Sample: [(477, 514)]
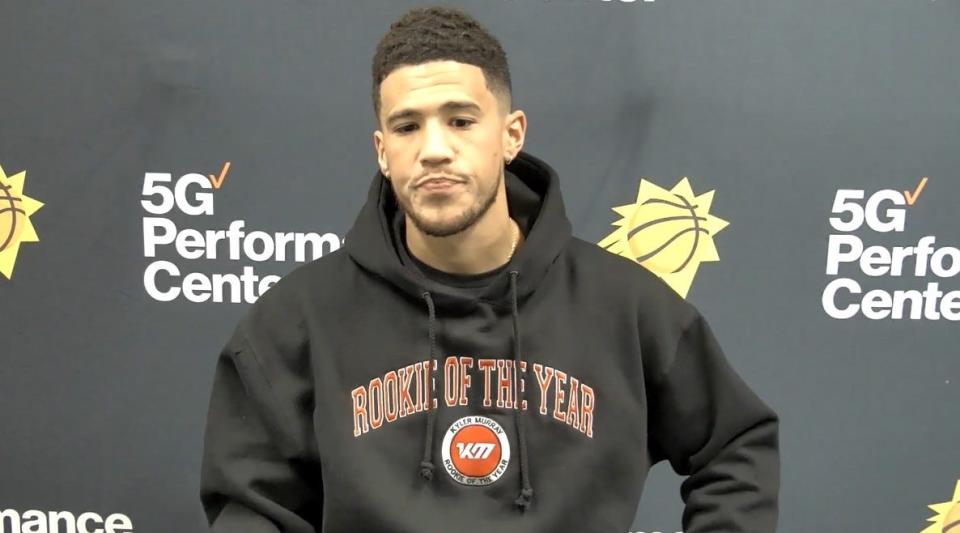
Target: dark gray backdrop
[(774, 104)]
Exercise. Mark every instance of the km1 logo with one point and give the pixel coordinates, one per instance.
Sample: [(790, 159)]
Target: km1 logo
[(475, 450)]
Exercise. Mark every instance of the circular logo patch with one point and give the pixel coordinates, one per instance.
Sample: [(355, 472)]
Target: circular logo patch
[(476, 450)]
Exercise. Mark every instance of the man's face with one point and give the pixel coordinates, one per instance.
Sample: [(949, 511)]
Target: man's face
[(439, 120)]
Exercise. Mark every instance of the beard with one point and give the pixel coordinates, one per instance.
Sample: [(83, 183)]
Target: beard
[(452, 225)]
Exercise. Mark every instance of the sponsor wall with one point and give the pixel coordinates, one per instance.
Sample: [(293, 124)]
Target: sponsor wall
[(163, 164)]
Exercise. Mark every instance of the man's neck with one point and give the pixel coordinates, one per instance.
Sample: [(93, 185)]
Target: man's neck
[(481, 248)]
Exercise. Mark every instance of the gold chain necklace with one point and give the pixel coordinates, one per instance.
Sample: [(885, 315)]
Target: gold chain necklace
[(516, 236)]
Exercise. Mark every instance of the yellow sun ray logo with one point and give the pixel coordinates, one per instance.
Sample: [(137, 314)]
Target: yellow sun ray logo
[(948, 515), (668, 232), (15, 225)]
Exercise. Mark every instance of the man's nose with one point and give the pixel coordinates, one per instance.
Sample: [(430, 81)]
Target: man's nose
[(436, 145)]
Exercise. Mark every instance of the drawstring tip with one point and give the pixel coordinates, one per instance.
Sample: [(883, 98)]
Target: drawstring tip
[(426, 470), (523, 501)]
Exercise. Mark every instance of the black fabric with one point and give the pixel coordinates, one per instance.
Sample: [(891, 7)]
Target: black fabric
[(473, 283), (311, 427)]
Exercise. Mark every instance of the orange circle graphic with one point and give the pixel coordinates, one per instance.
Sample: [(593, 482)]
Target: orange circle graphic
[(475, 451)]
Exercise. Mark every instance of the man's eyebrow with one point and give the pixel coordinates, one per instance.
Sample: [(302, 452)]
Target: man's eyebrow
[(453, 105)]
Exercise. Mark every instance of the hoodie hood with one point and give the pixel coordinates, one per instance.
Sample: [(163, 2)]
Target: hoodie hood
[(534, 202)]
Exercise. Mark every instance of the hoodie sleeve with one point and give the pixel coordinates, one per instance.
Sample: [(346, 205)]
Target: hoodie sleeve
[(714, 429), (256, 473)]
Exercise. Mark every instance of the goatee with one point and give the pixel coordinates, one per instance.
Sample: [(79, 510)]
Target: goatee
[(446, 228)]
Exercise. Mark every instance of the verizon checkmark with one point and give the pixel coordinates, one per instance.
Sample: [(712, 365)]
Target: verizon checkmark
[(217, 181), (912, 197)]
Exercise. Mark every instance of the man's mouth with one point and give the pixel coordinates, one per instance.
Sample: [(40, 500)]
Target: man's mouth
[(439, 184)]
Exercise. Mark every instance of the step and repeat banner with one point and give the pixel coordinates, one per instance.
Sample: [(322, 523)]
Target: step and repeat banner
[(165, 163)]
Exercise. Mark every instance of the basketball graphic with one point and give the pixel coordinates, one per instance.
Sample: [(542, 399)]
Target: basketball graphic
[(951, 524), (668, 232), (475, 450), (15, 225), (665, 232), (11, 216), (947, 519)]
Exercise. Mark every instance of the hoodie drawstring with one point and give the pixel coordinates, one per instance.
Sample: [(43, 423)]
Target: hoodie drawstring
[(426, 463), (526, 491), (525, 497)]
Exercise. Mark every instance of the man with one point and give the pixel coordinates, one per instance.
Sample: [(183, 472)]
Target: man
[(464, 363)]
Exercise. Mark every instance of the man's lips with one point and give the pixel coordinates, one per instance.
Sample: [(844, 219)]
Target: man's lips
[(438, 183)]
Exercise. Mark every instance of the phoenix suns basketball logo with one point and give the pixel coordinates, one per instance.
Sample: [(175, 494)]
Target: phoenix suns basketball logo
[(476, 450), (668, 232), (948, 515), (15, 225)]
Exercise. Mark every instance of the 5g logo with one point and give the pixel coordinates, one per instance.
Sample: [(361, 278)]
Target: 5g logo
[(882, 212), (155, 184), (885, 211)]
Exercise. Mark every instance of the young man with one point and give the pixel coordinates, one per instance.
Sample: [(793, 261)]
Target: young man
[(464, 363)]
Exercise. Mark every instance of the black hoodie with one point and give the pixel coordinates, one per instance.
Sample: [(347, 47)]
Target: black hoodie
[(357, 395)]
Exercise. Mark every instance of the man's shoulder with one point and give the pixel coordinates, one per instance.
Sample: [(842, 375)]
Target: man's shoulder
[(310, 289), (327, 270), (604, 266), (314, 282), (622, 278)]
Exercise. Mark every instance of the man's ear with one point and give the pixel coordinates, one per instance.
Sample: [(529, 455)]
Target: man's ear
[(381, 156), (514, 133)]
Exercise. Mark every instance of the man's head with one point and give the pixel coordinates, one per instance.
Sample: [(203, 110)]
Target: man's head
[(441, 94)]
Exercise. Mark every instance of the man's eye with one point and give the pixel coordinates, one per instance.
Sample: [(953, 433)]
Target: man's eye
[(463, 122), (405, 128)]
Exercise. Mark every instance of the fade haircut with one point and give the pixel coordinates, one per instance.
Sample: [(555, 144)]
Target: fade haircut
[(436, 34)]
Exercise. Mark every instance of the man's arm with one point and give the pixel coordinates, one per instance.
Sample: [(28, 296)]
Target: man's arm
[(712, 428), (257, 475)]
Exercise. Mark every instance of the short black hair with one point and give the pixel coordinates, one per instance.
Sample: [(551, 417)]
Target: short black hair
[(439, 33)]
